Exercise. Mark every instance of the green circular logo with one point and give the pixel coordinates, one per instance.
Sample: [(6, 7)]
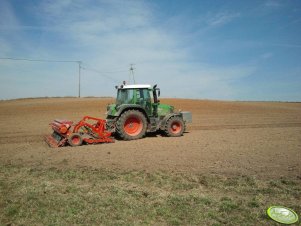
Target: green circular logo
[(282, 214)]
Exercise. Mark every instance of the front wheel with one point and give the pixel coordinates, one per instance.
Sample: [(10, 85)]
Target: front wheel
[(174, 127), (131, 125)]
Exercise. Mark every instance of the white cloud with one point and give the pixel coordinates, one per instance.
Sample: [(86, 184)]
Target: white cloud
[(55, 8), (206, 81), (5, 47), (8, 18), (272, 4), (113, 34), (221, 18), (266, 55)]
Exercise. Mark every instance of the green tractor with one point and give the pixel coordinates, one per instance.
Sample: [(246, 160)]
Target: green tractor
[(138, 110)]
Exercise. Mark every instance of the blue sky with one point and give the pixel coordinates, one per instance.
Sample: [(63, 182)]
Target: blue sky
[(225, 50)]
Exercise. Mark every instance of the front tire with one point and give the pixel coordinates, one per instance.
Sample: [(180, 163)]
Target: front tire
[(174, 127), (131, 125), (75, 139)]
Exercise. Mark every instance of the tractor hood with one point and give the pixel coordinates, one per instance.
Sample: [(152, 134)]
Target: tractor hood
[(165, 109)]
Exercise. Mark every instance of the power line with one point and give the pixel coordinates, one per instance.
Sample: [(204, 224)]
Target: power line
[(79, 68), (40, 60), (100, 73), (52, 61), (123, 69), (111, 72)]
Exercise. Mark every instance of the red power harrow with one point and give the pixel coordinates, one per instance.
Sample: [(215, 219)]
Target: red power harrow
[(64, 132)]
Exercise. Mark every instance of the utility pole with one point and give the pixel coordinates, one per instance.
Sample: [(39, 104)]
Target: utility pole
[(79, 68), (53, 61), (132, 72)]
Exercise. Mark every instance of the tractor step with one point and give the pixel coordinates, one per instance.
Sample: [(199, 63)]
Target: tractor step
[(153, 126)]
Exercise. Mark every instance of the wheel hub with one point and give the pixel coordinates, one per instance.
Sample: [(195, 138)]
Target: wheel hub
[(176, 127), (133, 126)]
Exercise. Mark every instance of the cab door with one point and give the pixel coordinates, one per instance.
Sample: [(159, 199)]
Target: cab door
[(144, 100)]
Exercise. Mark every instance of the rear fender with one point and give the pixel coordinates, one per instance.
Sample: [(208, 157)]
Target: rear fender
[(126, 107)]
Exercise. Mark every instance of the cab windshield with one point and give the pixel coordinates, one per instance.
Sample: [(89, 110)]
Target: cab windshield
[(125, 96)]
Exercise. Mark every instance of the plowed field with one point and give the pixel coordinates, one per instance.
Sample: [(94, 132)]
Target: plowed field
[(232, 138)]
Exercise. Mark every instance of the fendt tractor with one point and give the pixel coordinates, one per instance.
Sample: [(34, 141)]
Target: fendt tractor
[(137, 111)]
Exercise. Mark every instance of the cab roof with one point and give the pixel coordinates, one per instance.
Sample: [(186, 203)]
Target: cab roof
[(137, 86)]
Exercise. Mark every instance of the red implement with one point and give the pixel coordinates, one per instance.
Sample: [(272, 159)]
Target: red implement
[(89, 130)]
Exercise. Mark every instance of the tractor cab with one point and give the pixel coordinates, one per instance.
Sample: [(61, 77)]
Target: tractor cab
[(142, 97)]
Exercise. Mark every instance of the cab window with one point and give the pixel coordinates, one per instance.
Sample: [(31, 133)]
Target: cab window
[(143, 94), (124, 96)]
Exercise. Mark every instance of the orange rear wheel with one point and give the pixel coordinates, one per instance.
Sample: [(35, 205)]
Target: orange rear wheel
[(133, 126)]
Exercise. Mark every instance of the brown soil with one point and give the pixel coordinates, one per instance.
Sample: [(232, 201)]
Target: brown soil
[(260, 139)]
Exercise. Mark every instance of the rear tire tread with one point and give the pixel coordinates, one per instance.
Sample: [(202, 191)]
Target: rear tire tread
[(121, 121)]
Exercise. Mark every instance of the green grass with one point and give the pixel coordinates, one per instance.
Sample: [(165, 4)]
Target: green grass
[(33, 196)]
